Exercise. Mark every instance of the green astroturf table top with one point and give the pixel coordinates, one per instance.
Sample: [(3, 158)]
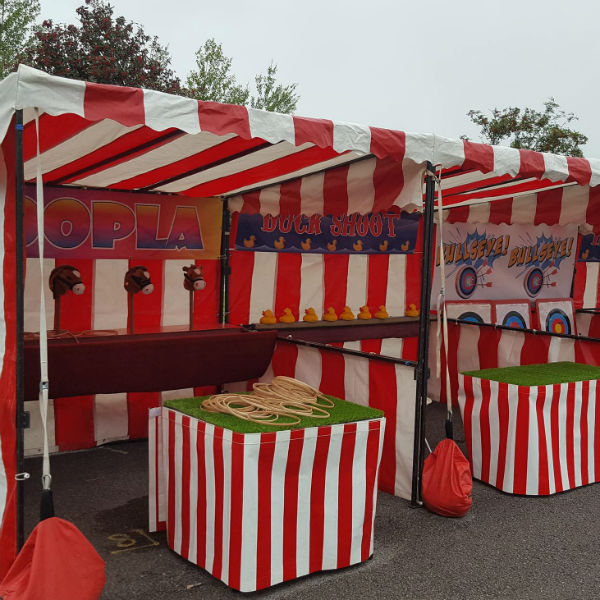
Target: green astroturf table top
[(342, 412), (543, 374)]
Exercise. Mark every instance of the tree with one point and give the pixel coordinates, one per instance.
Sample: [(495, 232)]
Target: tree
[(214, 80), (546, 131), (16, 20), (103, 49)]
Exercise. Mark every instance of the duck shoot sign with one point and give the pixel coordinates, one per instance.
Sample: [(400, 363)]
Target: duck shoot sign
[(386, 232)]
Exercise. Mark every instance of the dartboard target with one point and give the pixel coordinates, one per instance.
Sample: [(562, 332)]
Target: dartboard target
[(557, 321), (471, 317), (534, 281), (466, 281), (514, 319)]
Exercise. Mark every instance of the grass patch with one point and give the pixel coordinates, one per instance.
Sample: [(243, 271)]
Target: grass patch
[(543, 374), (342, 412)]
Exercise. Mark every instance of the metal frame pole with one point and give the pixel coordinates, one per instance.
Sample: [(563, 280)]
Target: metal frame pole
[(225, 268), (21, 418), (422, 370)]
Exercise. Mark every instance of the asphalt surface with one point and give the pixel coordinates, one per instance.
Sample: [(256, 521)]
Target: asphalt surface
[(506, 546)]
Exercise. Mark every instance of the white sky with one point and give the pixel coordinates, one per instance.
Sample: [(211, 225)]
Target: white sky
[(415, 66)]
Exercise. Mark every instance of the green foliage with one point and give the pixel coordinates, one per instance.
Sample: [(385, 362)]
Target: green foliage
[(103, 49), (213, 80), (16, 20), (546, 131)]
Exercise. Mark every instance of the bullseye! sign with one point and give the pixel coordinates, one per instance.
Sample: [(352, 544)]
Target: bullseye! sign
[(494, 262), (97, 224)]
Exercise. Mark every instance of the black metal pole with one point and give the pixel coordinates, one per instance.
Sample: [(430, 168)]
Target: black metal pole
[(20, 293), (225, 268), (422, 371)]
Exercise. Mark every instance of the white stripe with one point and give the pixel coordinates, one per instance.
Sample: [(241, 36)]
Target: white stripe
[(562, 435), (209, 465), (350, 136), (250, 510), (176, 299), (591, 284), (479, 213), (575, 199), (271, 126), (468, 341), (509, 348), (309, 366), (177, 461), (420, 147), (361, 190), (591, 427), (312, 286), (561, 350), (193, 539), (395, 298), (548, 432), (304, 501), (511, 440), (532, 486), (523, 209), (392, 347), (494, 432), (476, 452), (406, 394), (262, 294), (356, 379), (34, 435), (359, 468), (556, 167), (576, 433), (176, 394), (31, 300), (163, 111), (163, 466), (379, 453), (229, 488), (311, 194), (583, 322), (356, 293), (110, 418), (109, 308), (506, 160), (153, 419), (352, 345), (282, 444), (330, 508)]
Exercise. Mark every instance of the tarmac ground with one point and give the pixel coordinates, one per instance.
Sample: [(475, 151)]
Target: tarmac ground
[(505, 547)]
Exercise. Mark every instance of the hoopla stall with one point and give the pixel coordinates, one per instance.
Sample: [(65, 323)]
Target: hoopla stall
[(222, 216)]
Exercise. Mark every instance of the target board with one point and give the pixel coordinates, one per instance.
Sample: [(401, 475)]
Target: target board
[(513, 313), (472, 312), (556, 316), (533, 282), (466, 282)]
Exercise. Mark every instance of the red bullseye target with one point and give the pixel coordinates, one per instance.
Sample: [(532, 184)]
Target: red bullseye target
[(466, 281), (534, 281), (557, 321), (515, 320)]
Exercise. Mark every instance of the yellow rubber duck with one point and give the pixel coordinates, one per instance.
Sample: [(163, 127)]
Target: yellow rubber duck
[(405, 245), (249, 242), (585, 254), (330, 315), (305, 244), (268, 317), (287, 316), (310, 315), (382, 313), (347, 315), (383, 247), (364, 313), (412, 311), (332, 246), (358, 246), (280, 243)]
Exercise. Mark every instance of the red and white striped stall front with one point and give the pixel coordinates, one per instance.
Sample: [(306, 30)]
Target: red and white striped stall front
[(256, 509), (531, 440)]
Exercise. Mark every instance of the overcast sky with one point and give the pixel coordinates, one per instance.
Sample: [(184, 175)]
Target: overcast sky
[(415, 66)]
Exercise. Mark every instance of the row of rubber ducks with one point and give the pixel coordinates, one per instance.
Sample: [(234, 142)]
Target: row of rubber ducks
[(331, 246), (311, 316)]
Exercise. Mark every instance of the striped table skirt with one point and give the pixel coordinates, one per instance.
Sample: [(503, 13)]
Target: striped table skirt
[(536, 440), (258, 509)]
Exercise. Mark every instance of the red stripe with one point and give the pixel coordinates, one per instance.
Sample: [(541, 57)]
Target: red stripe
[(468, 415), (570, 425), (290, 504), (478, 156), (592, 213), (503, 414), (171, 491), (221, 119), (119, 103), (202, 499), (287, 283), (314, 131), (219, 494), (451, 189), (548, 207), (509, 188), (377, 274), (487, 347), (387, 142), (388, 181), (317, 500), (284, 359), (242, 269), (383, 395), (579, 170), (332, 374), (263, 538), (251, 203), (583, 428), (335, 279), (579, 279), (344, 544), (371, 471), (185, 486), (484, 425), (554, 428), (289, 198), (535, 349), (138, 405), (237, 504), (521, 441), (206, 302), (501, 211), (532, 164), (454, 333), (460, 214), (335, 191), (543, 475)]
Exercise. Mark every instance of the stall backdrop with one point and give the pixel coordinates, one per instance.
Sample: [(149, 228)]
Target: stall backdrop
[(122, 139)]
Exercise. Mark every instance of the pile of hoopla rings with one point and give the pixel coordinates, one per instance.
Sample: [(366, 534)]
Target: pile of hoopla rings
[(281, 403)]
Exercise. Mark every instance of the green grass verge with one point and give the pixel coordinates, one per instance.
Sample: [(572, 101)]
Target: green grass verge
[(342, 412), (543, 374)]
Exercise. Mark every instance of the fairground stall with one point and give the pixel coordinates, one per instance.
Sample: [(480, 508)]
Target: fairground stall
[(222, 216)]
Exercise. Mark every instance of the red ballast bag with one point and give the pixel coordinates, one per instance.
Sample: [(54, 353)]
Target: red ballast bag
[(56, 563), (447, 483)]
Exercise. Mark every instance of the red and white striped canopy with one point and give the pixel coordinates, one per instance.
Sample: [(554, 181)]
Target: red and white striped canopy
[(117, 138)]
